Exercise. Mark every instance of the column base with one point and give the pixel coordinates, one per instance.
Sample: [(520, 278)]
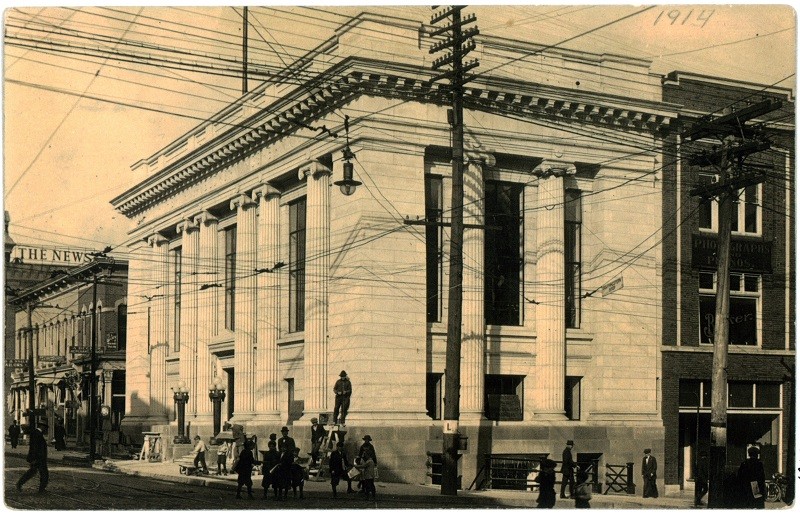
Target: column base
[(471, 417), (550, 415)]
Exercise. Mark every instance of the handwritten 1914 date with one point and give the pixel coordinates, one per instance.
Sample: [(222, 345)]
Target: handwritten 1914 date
[(693, 17)]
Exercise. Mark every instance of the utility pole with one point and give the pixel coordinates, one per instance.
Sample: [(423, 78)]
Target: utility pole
[(738, 142), (31, 380), (460, 44), (92, 377), (244, 51)]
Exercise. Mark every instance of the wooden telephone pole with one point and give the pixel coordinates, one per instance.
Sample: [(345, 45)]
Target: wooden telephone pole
[(738, 142), (460, 44)]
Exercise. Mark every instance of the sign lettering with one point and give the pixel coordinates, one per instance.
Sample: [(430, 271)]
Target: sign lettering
[(746, 256), (51, 256)]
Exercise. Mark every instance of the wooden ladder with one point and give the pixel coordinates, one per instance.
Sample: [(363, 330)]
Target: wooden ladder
[(333, 435)]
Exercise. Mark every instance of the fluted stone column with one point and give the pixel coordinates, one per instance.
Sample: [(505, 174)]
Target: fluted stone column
[(137, 355), (187, 366), (473, 333), (268, 317), (159, 325), (550, 291), (207, 308), (318, 195), (245, 307)]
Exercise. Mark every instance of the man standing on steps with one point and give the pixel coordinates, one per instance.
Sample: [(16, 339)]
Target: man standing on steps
[(37, 458), (567, 470), (317, 435), (343, 389)]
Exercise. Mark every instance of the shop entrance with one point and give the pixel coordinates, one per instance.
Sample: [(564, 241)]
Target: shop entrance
[(743, 429)]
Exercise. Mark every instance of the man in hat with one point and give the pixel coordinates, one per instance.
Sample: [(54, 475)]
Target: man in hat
[(37, 458), (343, 389), (368, 449), (13, 432), (317, 435), (649, 468), (567, 469), (286, 442)]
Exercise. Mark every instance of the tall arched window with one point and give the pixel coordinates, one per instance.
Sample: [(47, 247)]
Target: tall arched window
[(122, 326)]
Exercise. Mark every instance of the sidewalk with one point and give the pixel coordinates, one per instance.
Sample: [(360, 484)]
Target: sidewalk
[(168, 471)]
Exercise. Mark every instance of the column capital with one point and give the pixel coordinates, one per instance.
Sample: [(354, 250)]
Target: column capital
[(205, 218), (242, 201), (551, 168), (478, 157), (267, 191), (315, 169), (186, 226), (155, 240)]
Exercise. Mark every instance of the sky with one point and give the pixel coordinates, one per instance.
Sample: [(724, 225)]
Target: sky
[(78, 114)]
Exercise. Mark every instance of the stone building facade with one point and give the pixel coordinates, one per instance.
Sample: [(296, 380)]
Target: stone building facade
[(250, 268)]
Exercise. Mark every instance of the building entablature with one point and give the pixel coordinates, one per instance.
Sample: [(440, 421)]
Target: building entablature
[(355, 77)]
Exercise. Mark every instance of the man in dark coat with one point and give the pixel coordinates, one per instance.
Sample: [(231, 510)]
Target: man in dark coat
[(701, 478), (649, 469), (752, 480), (13, 433), (338, 468), (60, 434), (286, 442), (317, 436), (368, 448), (271, 459), (567, 470), (342, 389), (37, 458)]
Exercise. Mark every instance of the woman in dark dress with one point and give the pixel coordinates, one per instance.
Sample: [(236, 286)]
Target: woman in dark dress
[(547, 484)]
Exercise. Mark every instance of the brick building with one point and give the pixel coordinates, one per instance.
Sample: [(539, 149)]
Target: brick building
[(762, 335)]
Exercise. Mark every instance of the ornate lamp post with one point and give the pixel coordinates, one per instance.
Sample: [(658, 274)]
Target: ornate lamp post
[(216, 392), (181, 396)]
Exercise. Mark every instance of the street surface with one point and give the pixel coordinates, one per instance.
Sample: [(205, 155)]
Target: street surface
[(91, 489)]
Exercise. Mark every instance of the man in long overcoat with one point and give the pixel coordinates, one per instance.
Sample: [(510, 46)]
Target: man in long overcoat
[(649, 470), (567, 469)]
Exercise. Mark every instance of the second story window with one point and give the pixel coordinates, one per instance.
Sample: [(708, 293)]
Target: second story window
[(176, 327), (433, 246), (746, 212), (503, 253), (744, 309), (230, 278), (572, 256), (297, 264)]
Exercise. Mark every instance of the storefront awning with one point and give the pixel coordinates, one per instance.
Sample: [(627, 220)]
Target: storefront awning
[(48, 380)]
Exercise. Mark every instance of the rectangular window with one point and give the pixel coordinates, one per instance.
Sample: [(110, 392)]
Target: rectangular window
[(746, 211), (503, 253), (297, 264), (690, 391), (434, 207), (230, 278), (572, 256), (504, 397), (740, 395), (768, 395), (744, 309), (433, 396), (572, 397), (176, 326), (122, 326)]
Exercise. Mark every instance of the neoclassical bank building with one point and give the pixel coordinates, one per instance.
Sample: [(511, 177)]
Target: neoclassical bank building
[(251, 270)]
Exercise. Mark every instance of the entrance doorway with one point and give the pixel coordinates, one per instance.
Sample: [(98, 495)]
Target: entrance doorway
[(229, 398)]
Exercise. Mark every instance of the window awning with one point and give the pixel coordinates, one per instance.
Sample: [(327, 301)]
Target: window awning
[(48, 380)]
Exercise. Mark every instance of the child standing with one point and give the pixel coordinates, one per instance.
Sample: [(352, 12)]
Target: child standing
[(222, 458), (367, 468)]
